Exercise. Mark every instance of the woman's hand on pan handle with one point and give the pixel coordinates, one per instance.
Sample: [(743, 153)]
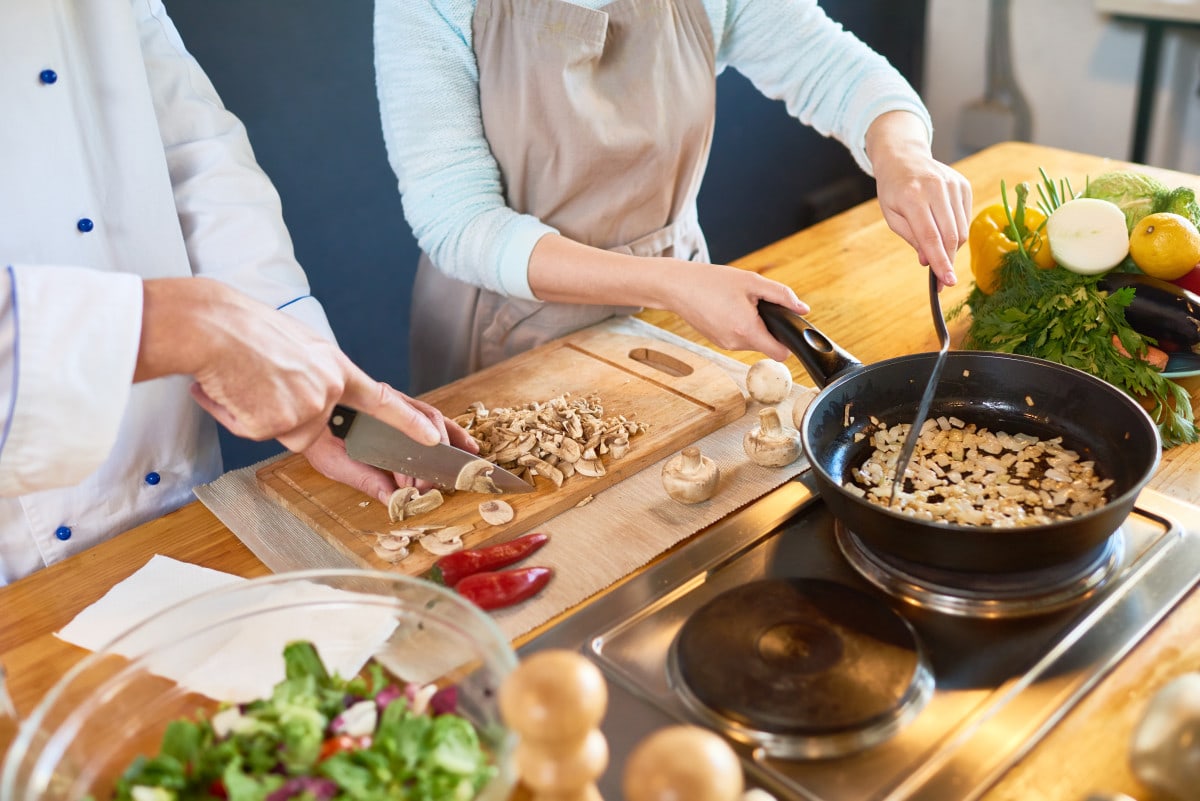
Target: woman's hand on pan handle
[(924, 201), (719, 301)]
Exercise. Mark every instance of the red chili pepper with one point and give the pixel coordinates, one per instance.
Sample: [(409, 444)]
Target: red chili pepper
[(451, 569), (494, 589)]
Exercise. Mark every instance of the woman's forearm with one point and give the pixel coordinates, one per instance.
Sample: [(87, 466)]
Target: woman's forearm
[(564, 271)]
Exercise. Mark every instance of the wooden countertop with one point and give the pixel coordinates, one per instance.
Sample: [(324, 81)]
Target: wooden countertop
[(868, 293)]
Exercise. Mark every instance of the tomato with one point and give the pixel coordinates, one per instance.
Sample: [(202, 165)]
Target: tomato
[(343, 742), (1190, 280)]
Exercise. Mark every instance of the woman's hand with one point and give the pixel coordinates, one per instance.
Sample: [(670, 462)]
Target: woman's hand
[(924, 201), (721, 302)]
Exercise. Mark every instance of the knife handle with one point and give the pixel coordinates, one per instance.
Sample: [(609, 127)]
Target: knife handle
[(340, 420)]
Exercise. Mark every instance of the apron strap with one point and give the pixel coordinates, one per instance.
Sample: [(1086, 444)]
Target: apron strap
[(682, 234)]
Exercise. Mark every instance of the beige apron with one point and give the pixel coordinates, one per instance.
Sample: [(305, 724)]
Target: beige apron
[(601, 121)]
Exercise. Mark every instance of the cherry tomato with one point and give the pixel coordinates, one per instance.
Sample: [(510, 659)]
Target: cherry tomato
[(343, 742)]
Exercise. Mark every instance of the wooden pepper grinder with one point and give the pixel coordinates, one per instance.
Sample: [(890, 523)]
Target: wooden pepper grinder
[(554, 700), (683, 763)]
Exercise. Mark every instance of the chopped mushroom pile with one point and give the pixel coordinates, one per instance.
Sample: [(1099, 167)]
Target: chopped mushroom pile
[(555, 439), (967, 475)]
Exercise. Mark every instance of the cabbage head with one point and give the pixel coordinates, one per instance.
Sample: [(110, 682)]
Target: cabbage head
[(1134, 193)]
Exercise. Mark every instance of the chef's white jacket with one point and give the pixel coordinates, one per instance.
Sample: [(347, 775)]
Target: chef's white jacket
[(117, 163)]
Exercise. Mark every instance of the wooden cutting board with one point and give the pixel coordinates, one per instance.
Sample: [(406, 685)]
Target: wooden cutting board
[(677, 394)]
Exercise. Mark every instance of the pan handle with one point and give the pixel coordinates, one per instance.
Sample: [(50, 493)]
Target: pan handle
[(822, 358)]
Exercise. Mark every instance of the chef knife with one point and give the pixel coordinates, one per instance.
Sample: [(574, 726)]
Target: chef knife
[(374, 442)]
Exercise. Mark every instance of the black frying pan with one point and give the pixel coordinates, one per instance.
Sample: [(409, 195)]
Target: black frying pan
[(1093, 417)]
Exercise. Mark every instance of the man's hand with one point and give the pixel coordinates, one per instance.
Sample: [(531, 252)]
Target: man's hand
[(259, 372), (328, 456)]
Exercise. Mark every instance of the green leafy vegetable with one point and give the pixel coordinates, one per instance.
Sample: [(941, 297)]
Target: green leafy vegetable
[(1064, 317), (1138, 195), (1134, 193), (1182, 201), (280, 747)]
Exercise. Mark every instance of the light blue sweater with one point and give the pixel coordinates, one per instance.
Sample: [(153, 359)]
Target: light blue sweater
[(428, 85)]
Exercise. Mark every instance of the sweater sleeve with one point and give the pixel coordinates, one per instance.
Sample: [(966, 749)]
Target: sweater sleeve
[(428, 86), (827, 77)]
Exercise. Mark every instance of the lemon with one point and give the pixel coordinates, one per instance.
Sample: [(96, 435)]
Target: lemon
[(1165, 245)]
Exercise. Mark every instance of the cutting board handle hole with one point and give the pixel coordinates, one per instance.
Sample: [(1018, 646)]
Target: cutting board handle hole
[(661, 362)]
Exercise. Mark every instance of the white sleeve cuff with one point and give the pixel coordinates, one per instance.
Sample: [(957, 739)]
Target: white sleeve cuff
[(309, 311), (878, 108), (75, 347), (513, 276)]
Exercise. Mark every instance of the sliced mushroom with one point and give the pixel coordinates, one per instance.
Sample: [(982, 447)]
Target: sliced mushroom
[(450, 533), (389, 555), (399, 500), (543, 468), (558, 432), (395, 539), (590, 467), (496, 513), (439, 547), (417, 529), (391, 546), (425, 502), (476, 476), (619, 446)]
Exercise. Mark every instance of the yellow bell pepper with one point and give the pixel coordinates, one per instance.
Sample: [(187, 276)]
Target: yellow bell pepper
[(989, 241)]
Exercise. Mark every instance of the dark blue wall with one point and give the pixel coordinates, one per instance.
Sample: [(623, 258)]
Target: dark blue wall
[(300, 75)]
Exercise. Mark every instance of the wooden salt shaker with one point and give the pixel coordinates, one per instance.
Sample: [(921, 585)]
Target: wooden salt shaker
[(683, 763), (554, 700)]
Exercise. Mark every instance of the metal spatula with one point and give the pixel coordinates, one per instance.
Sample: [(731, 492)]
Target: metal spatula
[(910, 441)]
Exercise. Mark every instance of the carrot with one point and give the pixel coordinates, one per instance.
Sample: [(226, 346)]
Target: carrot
[(1156, 357)]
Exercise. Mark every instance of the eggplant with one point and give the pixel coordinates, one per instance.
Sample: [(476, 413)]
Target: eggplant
[(1160, 309)]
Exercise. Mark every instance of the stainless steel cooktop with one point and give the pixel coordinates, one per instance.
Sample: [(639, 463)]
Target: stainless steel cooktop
[(997, 667)]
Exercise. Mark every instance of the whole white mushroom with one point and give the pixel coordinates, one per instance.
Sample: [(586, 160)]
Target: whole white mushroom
[(768, 381)]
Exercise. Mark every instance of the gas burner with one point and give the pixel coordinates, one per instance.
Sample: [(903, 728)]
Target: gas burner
[(803, 668), (985, 595)]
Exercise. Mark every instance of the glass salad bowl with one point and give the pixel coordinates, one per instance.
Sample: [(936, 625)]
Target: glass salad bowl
[(217, 661)]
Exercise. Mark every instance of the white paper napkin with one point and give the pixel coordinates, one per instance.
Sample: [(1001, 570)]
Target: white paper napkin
[(238, 660)]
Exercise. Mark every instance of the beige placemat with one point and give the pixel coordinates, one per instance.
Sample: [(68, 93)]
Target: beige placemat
[(591, 547)]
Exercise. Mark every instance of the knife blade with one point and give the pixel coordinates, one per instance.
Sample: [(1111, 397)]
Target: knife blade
[(374, 442)]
